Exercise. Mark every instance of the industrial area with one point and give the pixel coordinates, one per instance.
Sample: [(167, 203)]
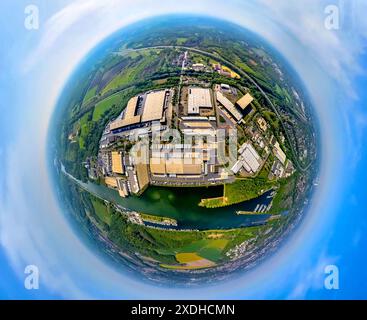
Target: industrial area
[(181, 136)]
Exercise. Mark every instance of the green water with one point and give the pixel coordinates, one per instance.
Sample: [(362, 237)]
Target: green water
[(182, 204)]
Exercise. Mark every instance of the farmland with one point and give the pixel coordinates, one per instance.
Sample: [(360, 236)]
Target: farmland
[(169, 246)]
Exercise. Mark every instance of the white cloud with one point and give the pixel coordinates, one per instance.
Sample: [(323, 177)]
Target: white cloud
[(336, 50), (62, 21)]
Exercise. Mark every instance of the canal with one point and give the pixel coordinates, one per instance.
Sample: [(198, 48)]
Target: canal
[(182, 204)]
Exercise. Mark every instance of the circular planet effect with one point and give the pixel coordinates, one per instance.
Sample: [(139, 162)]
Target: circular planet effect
[(176, 227)]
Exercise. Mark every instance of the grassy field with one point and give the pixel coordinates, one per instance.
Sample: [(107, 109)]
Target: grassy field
[(208, 252), (242, 189), (200, 243), (209, 245), (187, 257), (187, 266), (140, 62), (88, 120), (190, 261), (210, 249), (104, 105), (245, 189), (283, 200), (265, 170), (84, 130), (212, 202), (157, 219), (181, 40), (90, 94), (101, 211)]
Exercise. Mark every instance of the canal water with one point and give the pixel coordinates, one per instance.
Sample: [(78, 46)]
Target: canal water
[(182, 204)]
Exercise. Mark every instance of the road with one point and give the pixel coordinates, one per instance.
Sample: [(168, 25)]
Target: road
[(179, 88)]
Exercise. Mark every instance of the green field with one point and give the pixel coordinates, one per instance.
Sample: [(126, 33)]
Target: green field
[(104, 105), (212, 202), (90, 94), (242, 189), (246, 189), (84, 129), (265, 170), (284, 198), (101, 211), (210, 249), (157, 219), (140, 62), (181, 41)]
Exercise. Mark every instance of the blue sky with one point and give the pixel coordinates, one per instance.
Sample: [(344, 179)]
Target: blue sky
[(36, 64)]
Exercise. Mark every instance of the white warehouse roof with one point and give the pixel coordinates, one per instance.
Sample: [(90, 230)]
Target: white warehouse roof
[(154, 105), (249, 159), (198, 98)]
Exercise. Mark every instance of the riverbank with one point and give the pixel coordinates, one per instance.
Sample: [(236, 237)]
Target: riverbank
[(158, 220), (181, 205)]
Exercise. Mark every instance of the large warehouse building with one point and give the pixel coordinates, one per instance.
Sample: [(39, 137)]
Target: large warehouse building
[(153, 106), (129, 116), (249, 159), (117, 164), (245, 104), (160, 166), (199, 98), (229, 106), (142, 109)]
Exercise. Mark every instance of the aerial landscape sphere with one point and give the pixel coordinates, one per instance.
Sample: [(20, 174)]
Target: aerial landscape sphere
[(185, 150)]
